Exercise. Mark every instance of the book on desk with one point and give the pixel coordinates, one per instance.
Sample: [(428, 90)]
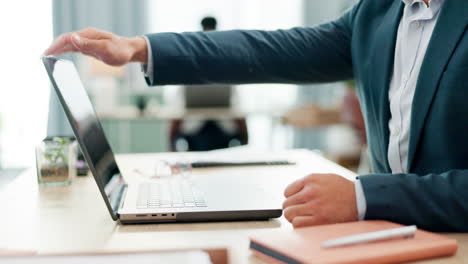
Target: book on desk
[(304, 245)]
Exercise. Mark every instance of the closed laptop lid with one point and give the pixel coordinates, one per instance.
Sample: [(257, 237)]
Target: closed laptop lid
[(87, 129)]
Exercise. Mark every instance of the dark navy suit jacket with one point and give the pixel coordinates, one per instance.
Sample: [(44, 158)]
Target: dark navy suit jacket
[(359, 45)]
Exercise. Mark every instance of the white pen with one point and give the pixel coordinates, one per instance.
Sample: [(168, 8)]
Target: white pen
[(403, 232)]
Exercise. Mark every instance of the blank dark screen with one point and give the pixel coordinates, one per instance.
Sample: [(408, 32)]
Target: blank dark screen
[(83, 119)]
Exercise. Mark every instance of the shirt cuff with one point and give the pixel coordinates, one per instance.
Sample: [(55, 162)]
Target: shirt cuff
[(148, 68), (360, 199)]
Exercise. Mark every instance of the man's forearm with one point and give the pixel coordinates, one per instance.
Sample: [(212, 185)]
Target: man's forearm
[(436, 202), (302, 55), (299, 55)]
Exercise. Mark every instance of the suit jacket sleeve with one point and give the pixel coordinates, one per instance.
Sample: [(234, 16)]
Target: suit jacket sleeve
[(298, 55), (436, 202)]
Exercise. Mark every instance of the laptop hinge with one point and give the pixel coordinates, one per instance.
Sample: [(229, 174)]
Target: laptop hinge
[(116, 199), (121, 198)]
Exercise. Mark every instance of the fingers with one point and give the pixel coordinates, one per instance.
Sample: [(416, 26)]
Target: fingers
[(294, 211), (88, 46), (303, 215), (62, 44), (301, 221), (303, 196), (70, 42), (294, 187), (323, 199)]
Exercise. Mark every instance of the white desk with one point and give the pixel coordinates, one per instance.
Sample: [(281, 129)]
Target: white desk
[(74, 218)]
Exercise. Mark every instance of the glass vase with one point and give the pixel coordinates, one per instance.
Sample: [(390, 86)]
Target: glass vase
[(56, 162)]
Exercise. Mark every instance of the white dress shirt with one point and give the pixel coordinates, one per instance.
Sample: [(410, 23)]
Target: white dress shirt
[(148, 68), (414, 33)]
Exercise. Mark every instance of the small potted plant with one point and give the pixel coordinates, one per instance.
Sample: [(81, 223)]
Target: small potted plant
[(56, 161)]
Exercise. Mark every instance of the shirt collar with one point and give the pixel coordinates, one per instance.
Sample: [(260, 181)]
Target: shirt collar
[(421, 11), (411, 2)]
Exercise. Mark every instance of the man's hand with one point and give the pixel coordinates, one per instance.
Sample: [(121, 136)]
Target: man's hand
[(320, 199), (104, 46)]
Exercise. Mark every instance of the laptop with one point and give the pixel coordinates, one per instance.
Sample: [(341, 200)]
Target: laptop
[(169, 199)]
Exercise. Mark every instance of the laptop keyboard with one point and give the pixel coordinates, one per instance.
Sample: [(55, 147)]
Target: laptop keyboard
[(173, 193)]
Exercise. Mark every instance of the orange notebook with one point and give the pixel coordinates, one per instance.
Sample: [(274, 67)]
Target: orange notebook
[(302, 245)]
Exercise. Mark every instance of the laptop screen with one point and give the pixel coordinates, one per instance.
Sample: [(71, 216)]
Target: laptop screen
[(87, 129)]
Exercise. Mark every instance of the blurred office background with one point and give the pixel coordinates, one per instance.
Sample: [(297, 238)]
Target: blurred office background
[(29, 111)]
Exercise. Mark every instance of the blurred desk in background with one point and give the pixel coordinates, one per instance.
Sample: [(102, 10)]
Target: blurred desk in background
[(203, 113), (171, 113), (128, 131)]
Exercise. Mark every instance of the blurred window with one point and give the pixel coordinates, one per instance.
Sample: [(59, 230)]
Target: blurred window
[(185, 15), (26, 28)]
